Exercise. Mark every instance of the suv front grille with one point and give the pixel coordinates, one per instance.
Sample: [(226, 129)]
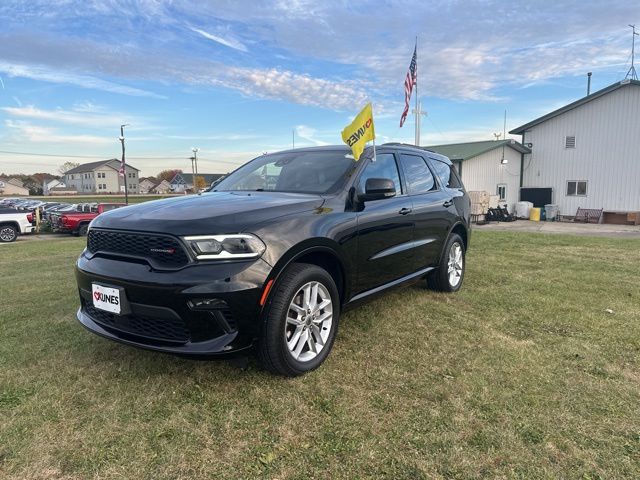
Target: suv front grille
[(160, 250)]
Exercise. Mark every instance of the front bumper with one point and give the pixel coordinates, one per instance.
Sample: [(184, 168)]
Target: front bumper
[(203, 309)]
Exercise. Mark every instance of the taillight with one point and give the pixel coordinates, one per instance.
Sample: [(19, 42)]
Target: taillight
[(30, 217)]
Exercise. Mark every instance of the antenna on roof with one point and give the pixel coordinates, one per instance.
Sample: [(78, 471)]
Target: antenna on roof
[(632, 71)]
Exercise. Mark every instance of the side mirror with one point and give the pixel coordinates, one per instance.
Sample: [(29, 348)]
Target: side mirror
[(378, 189)]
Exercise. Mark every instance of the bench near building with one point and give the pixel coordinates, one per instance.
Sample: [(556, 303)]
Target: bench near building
[(587, 155)]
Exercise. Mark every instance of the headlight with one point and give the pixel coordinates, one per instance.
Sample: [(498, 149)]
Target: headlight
[(225, 247)]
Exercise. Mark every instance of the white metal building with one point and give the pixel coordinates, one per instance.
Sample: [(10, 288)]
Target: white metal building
[(492, 166), (588, 152)]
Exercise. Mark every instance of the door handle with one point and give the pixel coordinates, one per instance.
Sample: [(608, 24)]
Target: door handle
[(405, 211), (448, 203)]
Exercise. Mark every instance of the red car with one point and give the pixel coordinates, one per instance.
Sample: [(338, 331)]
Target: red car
[(77, 223)]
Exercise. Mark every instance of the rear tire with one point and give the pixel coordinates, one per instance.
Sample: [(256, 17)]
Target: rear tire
[(300, 322), (8, 233), (449, 275)]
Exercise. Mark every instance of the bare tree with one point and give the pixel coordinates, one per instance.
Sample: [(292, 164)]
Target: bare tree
[(66, 166)]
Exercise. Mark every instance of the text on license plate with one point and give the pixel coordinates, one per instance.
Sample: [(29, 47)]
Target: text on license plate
[(106, 298)]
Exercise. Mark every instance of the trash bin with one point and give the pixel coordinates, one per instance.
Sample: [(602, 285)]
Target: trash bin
[(534, 214), (552, 212)]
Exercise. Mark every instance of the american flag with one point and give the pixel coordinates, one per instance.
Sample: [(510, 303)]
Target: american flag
[(409, 82)]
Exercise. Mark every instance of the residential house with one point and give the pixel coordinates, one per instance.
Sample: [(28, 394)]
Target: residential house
[(182, 182), (13, 186), (162, 188), (102, 177), (147, 184), (47, 185)]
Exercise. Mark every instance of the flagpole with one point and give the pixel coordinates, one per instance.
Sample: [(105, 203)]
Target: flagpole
[(417, 111), (374, 137)]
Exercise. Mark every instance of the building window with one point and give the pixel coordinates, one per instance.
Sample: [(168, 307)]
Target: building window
[(577, 188), (502, 191), (99, 186), (570, 141), (104, 186)]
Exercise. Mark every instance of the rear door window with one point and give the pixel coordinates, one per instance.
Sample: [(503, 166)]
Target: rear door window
[(418, 176)]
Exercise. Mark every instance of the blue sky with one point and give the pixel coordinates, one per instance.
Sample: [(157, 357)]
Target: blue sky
[(235, 78)]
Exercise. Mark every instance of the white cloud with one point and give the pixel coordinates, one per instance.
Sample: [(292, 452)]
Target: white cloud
[(27, 132), (227, 41), (52, 75), (310, 135)]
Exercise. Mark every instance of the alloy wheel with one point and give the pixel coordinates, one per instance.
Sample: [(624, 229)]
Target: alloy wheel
[(7, 234), (309, 320), (455, 264)]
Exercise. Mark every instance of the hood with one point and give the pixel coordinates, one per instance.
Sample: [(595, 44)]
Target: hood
[(207, 213)]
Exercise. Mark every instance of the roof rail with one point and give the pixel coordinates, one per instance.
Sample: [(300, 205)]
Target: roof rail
[(400, 144)]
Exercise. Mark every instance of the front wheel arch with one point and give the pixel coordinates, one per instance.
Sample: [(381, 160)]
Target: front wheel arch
[(323, 256)]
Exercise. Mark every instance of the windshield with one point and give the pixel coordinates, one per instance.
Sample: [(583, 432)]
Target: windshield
[(320, 171)]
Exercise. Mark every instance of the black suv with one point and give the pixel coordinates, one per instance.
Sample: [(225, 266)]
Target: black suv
[(271, 256)]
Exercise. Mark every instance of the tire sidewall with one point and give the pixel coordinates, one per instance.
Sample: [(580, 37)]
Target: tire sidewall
[(277, 313)]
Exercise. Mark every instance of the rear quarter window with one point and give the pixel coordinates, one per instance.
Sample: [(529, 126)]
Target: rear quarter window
[(446, 174)]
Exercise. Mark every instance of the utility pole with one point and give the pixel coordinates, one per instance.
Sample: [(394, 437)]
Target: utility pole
[(632, 71), (123, 166)]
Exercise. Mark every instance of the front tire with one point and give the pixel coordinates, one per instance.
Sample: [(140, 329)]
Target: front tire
[(8, 233), (300, 322), (82, 230), (450, 272)]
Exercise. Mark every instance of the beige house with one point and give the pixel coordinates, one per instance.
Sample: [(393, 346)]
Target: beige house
[(102, 177), (146, 185), (162, 188), (13, 186)]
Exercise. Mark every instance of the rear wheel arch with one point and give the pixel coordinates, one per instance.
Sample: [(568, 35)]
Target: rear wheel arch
[(461, 230)]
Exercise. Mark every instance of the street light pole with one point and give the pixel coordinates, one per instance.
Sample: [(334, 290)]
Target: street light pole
[(194, 160), (123, 166)]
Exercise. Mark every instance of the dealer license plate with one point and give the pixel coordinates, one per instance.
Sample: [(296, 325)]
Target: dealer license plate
[(105, 298)]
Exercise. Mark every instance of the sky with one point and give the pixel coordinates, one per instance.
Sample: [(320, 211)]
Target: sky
[(239, 78)]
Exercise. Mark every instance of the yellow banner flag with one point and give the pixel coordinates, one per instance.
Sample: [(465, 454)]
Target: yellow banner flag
[(360, 131)]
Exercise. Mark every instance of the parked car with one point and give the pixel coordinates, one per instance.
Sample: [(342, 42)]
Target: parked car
[(77, 223), (51, 216), (274, 253), (14, 223)]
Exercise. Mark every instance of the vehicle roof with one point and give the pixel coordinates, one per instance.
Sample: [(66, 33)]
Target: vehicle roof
[(346, 149)]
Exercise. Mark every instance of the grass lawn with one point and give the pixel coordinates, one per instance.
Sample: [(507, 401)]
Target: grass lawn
[(522, 374)]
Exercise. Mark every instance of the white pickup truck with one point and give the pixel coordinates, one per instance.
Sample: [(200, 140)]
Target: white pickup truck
[(14, 223)]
